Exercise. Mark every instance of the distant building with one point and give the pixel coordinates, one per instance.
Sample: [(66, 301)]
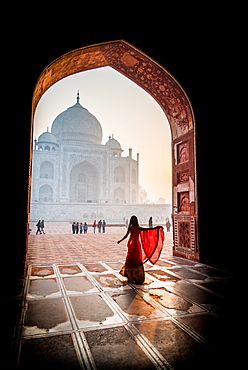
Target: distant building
[(75, 177)]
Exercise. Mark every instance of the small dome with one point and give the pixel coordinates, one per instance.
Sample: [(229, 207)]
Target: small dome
[(113, 143), (114, 147), (47, 137)]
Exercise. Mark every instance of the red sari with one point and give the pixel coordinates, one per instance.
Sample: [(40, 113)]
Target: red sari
[(143, 245)]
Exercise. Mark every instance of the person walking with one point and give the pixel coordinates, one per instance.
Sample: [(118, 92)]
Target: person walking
[(85, 228), (81, 227), (73, 227), (42, 225), (94, 226), (38, 227), (77, 227), (103, 226), (99, 225), (143, 245), (168, 226), (150, 222)]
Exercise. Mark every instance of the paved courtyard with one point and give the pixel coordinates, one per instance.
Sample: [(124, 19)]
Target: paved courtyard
[(60, 245), (80, 313)]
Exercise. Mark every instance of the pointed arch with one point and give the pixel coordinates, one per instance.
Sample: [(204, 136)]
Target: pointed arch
[(46, 170), (84, 183), (166, 90), (45, 193)]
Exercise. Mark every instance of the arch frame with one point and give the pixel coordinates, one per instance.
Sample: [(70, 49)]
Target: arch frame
[(169, 94)]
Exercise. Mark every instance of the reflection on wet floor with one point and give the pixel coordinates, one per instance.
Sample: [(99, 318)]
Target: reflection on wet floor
[(87, 316)]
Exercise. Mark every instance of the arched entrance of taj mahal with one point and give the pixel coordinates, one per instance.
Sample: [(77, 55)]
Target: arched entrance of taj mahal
[(84, 183), (171, 97)]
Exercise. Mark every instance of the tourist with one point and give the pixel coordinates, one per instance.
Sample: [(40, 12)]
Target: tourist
[(150, 222), (42, 225), (99, 225), (103, 226), (81, 227), (85, 228), (73, 227), (144, 244), (77, 227), (94, 226), (168, 226), (38, 227)]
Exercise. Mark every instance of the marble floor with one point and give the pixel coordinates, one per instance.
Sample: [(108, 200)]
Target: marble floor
[(78, 312)]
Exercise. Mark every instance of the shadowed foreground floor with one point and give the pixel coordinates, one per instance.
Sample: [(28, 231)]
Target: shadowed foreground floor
[(79, 312)]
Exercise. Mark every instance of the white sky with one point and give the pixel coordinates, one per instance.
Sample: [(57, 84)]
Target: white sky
[(123, 109)]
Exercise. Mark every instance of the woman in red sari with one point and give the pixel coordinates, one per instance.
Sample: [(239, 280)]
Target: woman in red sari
[(144, 244)]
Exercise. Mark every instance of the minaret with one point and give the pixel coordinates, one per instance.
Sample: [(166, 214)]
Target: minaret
[(78, 97)]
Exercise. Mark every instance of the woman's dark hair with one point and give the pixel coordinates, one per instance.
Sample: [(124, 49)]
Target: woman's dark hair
[(134, 221)]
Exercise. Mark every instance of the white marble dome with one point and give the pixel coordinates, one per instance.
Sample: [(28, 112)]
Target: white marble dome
[(77, 124), (114, 146), (47, 137)]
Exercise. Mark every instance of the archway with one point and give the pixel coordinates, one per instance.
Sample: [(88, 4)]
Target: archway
[(45, 193), (163, 87), (46, 170), (119, 195), (84, 183)]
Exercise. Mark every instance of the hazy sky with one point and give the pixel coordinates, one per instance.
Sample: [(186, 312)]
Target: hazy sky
[(123, 109)]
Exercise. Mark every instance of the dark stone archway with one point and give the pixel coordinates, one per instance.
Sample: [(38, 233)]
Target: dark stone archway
[(163, 87)]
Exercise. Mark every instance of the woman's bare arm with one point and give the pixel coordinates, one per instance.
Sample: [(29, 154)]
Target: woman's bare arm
[(125, 236)]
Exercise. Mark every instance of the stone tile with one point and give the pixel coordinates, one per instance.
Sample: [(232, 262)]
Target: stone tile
[(115, 265), (95, 267), (199, 295), (177, 347), (92, 310), (188, 274), (208, 326), (42, 271), (164, 264), (78, 284), (134, 306), (114, 349), (174, 304), (43, 288), (210, 271), (55, 352), (109, 281), (44, 315), (69, 270), (163, 275), (218, 287)]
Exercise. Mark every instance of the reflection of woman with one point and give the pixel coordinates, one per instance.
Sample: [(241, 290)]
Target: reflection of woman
[(144, 244)]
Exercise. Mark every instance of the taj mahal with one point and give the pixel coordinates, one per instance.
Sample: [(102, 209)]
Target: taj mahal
[(77, 178)]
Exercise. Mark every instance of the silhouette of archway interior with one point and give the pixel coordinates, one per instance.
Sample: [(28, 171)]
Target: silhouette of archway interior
[(164, 88)]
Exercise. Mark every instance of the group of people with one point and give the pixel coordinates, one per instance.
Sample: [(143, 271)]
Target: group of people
[(168, 224), (40, 227), (83, 227)]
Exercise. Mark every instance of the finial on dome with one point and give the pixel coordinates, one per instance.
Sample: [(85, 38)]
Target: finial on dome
[(78, 97)]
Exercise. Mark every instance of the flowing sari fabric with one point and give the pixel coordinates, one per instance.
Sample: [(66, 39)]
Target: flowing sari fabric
[(152, 241), (143, 245)]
